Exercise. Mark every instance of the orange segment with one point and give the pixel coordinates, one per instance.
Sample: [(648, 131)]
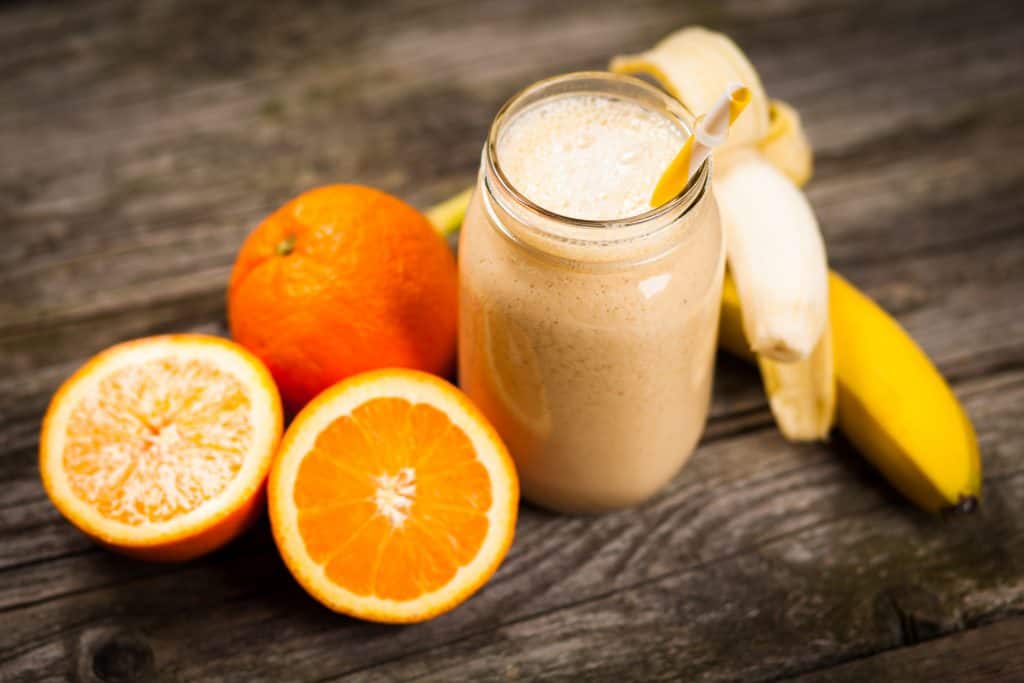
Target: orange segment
[(392, 498), (159, 447)]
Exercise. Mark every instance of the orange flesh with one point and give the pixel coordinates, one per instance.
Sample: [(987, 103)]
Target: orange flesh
[(157, 439), (392, 500)]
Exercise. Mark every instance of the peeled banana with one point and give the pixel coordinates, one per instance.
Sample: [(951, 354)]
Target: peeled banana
[(802, 395), (776, 255)]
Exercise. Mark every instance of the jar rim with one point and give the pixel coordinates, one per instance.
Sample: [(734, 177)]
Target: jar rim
[(608, 229)]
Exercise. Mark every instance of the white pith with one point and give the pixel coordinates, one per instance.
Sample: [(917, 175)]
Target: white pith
[(395, 494)]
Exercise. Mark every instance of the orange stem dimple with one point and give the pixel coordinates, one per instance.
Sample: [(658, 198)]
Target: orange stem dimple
[(285, 246)]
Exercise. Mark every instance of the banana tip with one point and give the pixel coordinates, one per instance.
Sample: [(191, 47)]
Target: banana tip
[(965, 505)]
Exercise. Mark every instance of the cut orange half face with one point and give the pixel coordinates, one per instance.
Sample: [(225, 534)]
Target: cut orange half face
[(160, 447), (392, 499)]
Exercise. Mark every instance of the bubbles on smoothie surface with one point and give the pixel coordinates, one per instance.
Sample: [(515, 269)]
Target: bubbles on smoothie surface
[(588, 156)]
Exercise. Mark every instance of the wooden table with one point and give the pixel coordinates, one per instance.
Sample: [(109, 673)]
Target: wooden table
[(141, 141)]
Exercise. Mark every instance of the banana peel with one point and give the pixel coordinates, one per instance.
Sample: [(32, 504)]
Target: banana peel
[(694, 64), (786, 145), (802, 395)]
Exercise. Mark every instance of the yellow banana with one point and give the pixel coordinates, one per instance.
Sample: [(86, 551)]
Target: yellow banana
[(898, 410), (730, 322)]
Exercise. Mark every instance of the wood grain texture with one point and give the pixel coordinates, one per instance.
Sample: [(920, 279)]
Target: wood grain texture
[(990, 654), (139, 142)]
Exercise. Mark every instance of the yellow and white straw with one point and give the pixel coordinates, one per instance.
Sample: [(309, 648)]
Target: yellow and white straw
[(709, 131)]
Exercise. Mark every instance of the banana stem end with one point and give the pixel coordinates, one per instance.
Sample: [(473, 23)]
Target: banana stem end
[(965, 505)]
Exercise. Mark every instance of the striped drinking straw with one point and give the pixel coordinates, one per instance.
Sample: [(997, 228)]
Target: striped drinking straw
[(709, 131)]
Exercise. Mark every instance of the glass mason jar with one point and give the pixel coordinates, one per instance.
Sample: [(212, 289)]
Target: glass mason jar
[(590, 344)]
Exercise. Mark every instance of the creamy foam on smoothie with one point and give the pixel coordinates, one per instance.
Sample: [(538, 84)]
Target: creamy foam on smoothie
[(589, 156)]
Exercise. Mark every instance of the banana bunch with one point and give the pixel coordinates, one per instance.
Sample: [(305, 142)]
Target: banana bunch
[(826, 351)]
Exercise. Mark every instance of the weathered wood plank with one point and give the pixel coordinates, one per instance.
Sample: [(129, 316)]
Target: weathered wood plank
[(761, 559), (988, 654)]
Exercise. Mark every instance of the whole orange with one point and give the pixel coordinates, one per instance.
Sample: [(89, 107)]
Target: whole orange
[(340, 280)]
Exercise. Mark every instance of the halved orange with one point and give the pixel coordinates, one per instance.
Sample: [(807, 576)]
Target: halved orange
[(392, 499), (160, 447)]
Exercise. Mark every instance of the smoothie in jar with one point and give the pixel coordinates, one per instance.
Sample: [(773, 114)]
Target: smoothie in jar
[(587, 319)]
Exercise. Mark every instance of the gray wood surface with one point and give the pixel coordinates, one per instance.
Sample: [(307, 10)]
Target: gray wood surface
[(140, 142), (988, 654)]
